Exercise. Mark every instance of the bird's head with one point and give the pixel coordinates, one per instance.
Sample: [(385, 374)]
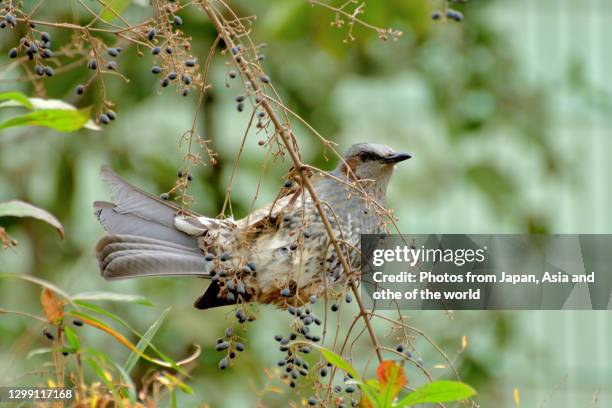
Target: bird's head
[(371, 161)]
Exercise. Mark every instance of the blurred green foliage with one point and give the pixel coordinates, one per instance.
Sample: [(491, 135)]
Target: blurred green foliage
[(451, 94)]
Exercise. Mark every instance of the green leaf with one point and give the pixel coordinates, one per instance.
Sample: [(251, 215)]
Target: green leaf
[(63, 120), (16, 208), (103, 375), (128, 382), (113, 297), (437, 391), (119, 6), (339, 362), (72, 338), (144, 341), (18, 97)]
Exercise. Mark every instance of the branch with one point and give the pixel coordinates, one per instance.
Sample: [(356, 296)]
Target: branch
[(287, 136)]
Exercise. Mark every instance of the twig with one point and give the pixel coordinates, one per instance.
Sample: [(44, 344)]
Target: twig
[(287, 136)]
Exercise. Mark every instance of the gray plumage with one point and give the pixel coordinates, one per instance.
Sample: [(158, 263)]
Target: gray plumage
[(281, 246)]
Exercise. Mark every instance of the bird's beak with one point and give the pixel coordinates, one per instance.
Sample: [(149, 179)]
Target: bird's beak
[(396, 158)]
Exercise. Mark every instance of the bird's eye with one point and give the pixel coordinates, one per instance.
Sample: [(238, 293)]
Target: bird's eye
[(365, 156)]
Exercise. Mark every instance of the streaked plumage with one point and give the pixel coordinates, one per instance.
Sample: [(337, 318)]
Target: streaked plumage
[(281, 248)]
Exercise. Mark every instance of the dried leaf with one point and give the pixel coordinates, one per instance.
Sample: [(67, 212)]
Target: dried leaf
[(52, 306), (391, 378)]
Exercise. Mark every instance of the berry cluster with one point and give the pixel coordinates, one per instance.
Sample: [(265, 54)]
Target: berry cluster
[(230, 342), (449, 13), (37, 50)]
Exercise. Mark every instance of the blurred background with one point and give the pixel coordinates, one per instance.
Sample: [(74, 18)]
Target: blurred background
[(507, 116)]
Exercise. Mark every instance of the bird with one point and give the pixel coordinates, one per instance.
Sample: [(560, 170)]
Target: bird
[(280, 254)]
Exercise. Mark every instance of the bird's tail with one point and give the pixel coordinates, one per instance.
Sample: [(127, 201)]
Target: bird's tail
[(129, 256), (142, 239)]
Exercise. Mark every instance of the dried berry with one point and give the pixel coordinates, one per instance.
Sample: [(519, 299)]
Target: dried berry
[(454, 15), (151, 34), (224, 363), (9, 18), (156, 69), (103, 118)]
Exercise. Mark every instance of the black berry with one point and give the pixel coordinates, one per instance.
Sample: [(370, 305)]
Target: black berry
[(113, 52), (103, 118), (156, 69), (151, 34), (92, 64), (48, 71), (80, 89), (155, 50), (177, 21), (190, 63), (12, 53)]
